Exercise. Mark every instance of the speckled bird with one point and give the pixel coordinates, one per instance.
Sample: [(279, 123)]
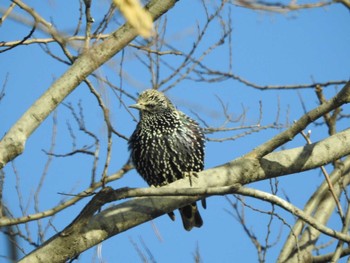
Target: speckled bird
[(166, 146)]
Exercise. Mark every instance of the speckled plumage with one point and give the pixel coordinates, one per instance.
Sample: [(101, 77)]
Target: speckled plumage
[(166, 145)]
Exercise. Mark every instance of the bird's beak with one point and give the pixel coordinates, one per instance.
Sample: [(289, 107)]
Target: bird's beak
[(137, 106)]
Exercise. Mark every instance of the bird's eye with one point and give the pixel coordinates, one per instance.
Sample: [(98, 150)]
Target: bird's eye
[(151, 106)]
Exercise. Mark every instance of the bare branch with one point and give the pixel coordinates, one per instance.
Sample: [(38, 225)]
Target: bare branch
[(278, 6), (320, 202), (294, 210), (12, 144), (87, 192), (328, 180), (341, 98), (220, 180), (7, 12)]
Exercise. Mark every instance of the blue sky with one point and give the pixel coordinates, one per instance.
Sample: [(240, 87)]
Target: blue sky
[(267, 49)]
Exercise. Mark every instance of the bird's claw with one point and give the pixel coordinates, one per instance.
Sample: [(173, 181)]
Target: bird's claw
[(190, 175)]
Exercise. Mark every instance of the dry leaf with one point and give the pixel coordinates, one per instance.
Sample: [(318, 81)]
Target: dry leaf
[(136, 16)]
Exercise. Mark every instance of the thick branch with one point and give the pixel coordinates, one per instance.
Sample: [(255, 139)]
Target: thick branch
[(338, 100), (12, 144), (124, 216), (315, 206)]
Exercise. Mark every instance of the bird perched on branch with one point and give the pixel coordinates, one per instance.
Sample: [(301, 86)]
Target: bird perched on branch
[(166, 146)]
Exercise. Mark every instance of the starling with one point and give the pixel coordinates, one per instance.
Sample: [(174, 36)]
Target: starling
[(166, 146)]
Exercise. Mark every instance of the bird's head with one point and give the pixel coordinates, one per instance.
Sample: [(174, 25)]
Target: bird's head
[(153, 102)]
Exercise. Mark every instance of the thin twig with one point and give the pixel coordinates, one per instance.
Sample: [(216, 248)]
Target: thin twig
[(326, 175)]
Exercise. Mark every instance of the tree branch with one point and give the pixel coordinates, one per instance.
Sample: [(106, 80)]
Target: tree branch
[(315, 205), (294, 210), (88, 230), (341, 98), (13, 143), (6, 221), (280, 7)]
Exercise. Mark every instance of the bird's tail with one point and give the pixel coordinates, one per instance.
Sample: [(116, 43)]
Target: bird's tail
[(190, 216)]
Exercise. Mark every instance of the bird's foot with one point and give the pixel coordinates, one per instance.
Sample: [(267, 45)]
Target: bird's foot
[(190, 176)]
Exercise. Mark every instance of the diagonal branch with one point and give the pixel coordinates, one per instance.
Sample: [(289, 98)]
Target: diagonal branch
[(13, 143), (7, 221), (341, 98), (315, 205), (294, 210), (88, 230)]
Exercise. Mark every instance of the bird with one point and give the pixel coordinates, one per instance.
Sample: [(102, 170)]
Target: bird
[(166, 146)]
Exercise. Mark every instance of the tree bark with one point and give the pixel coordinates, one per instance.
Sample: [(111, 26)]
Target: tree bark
[(112, 221), (13, 143)]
